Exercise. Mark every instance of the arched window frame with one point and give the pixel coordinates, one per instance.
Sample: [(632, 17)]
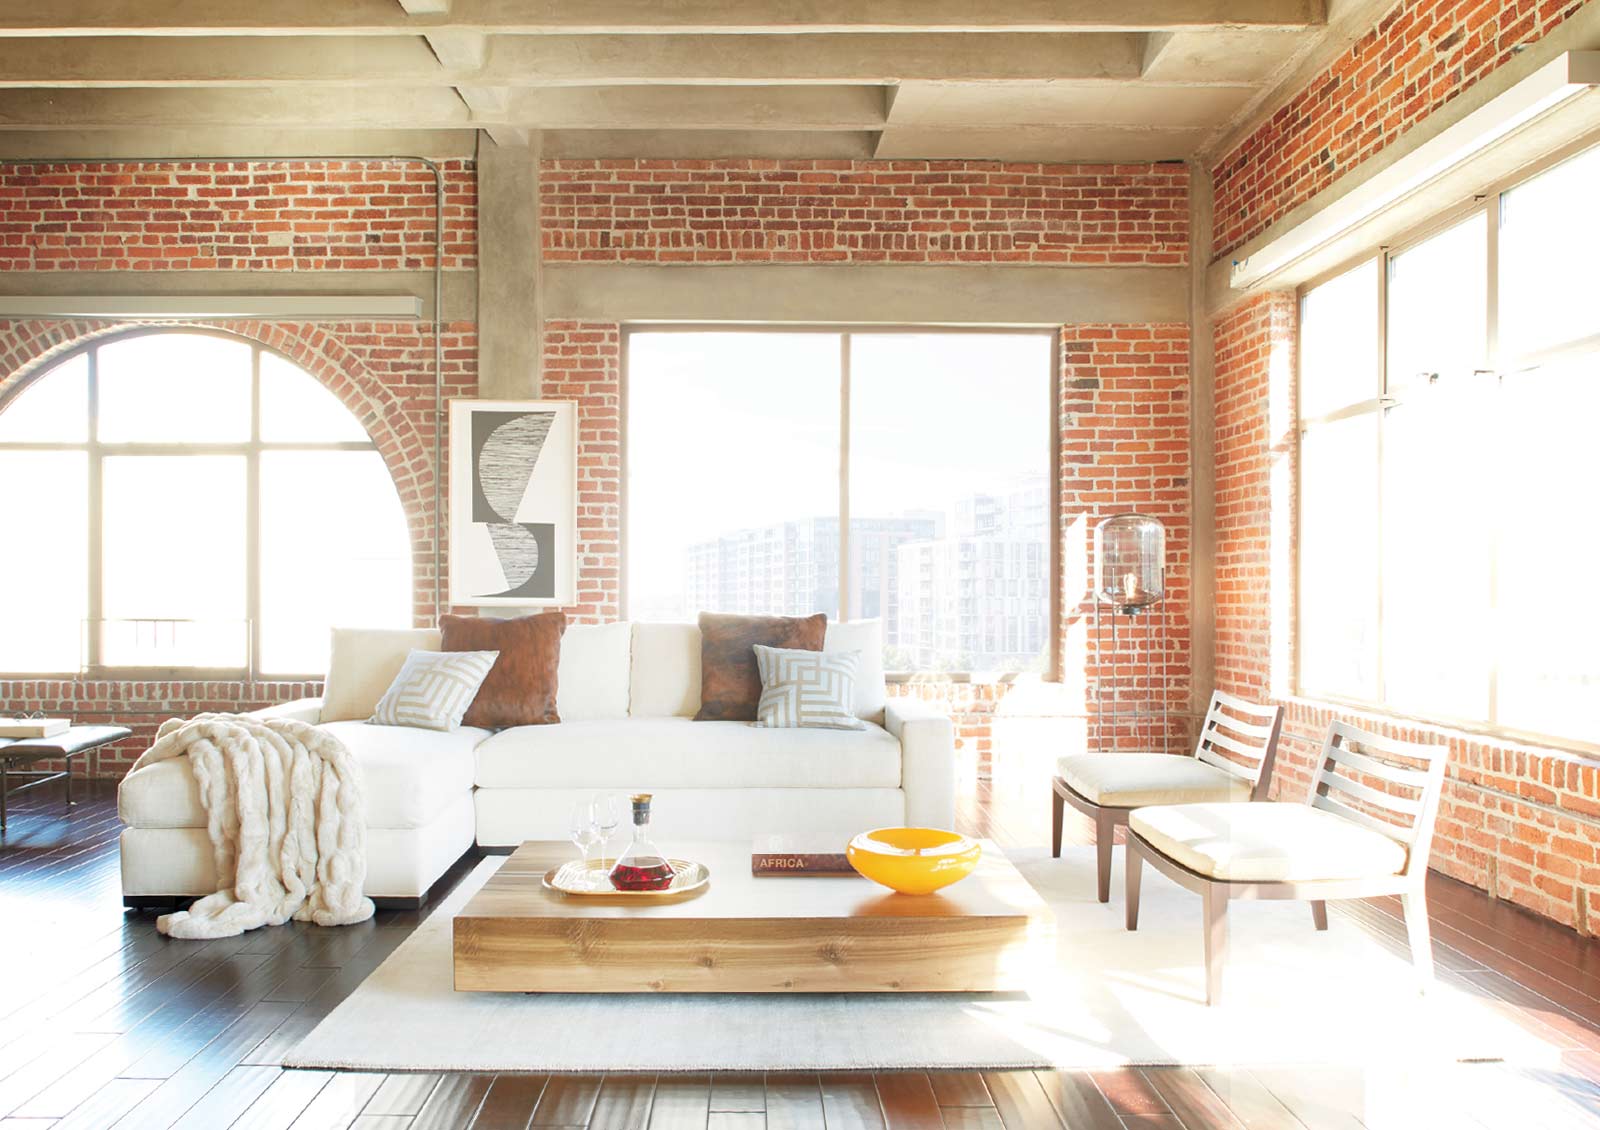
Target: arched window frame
[(252, 450)]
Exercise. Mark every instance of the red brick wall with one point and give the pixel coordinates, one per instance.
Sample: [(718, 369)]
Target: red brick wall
[(1423, 54), (1519, 820), (770, 211), (1125, 447), (234, 216)]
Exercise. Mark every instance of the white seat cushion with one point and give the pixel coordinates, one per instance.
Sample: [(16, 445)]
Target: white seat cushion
[(680, 753), (1267, 842), (409, 777), (1129, 780)]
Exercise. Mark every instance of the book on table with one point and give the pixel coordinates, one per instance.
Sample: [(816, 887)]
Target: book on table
[(33, 727), (798, 855)]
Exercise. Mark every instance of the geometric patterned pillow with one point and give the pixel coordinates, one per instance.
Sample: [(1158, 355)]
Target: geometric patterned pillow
[(434, 689), (807, 688)]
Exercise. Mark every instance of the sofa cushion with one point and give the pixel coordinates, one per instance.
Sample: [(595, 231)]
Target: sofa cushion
[(730, 684), (865, 636), (521, 687), (362, 663), (662, 753), (409, 777), (592, 680), (664, 671)]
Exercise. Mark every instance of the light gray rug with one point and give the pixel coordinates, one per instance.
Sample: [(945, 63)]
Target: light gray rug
[(1294, 996)]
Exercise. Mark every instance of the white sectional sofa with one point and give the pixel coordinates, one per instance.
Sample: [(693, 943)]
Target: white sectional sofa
[(627, 695)]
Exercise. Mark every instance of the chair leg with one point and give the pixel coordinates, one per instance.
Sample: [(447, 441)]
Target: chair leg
[(1319, 913), (1105, 835), (1056, 807), (1216, 910), (1130, 885), (1415, 906)]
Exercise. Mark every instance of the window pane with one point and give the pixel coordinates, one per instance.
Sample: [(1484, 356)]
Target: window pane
[(44, 572), (344, 503), (1549, 609), (174, 560), (1549, 243), (1437, 313), (733, 474), (54, 408), (296, 407), (1338, 595), (168, 388), (1436, 549), (950, 497), (1339, 342)]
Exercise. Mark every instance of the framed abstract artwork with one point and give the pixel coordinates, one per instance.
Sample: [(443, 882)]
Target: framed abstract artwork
[(513, 502)]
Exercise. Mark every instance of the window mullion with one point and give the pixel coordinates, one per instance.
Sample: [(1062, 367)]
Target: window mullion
[(1491, 291), (1384, 404), (252, 551), (94, 629), (843, 586)]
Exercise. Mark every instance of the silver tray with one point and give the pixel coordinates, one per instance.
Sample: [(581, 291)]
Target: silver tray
[(591, 879)]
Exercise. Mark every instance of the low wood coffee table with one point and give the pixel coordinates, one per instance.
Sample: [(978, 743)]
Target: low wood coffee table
[(748, 934)]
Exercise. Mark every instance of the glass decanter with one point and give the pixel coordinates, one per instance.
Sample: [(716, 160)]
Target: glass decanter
[(641, 866)]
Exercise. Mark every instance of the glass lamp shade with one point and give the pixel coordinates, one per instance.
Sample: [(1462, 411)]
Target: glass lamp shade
[(1130, 562)]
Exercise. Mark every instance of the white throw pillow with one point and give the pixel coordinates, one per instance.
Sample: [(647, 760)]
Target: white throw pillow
[(592, 678), (812, 689), (665, 673), (865, 636), (434, 689), (362, 663)]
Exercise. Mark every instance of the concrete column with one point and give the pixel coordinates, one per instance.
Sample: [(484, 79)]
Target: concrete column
[(510, 297), (1202, 446)]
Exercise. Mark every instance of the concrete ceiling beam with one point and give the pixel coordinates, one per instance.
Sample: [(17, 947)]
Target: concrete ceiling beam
[(384, 17)]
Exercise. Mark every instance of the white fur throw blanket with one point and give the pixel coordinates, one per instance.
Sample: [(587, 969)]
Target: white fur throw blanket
[(287, 821)]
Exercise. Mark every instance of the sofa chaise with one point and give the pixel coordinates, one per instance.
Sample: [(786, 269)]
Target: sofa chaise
[(627, 694)]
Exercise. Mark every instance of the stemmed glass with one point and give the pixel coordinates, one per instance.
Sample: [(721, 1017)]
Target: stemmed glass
[(585, 833), (607, 815)]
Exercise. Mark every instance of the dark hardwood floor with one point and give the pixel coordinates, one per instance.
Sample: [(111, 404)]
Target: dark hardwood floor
[(104, 1023)]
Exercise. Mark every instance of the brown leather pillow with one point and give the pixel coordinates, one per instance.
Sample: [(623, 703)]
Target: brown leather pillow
[(730, 684), (521, 687)]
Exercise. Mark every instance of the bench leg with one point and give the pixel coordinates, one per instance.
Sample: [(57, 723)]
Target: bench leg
[(1056, 806), (1415, 906), (66, 768), (3, 789), (1216, 900), (1130, 884), (1105, 835), (1319, 914)]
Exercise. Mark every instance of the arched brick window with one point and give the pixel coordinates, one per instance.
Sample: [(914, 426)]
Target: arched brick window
[(192, 502)]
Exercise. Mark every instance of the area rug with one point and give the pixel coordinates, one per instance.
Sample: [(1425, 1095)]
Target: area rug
[(1293, 996)]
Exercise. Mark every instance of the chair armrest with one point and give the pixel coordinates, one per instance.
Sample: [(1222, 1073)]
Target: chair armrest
[(300, 710), (927, 761)]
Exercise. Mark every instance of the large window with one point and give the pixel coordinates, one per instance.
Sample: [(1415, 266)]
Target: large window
[(901, 476), (1448, 393), (185, 501)]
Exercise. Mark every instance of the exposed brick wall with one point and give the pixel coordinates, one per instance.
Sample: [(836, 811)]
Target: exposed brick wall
[(583, 362), (1519, 820), (821, 211), (1423, 54), (1125, 447), (233, 216)]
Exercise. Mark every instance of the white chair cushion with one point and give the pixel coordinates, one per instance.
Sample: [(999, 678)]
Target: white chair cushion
[(592, 676), (680, 753), (1267, 842), (362, 663), (1129, 780), (409, 777), (865, 636), (664, 679)]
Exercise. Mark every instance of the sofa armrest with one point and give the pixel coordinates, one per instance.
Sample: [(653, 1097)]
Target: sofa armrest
[(301, 710), (927, 761)]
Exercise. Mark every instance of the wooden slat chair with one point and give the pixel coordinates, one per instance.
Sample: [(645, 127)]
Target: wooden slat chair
[(1232, 761), (1366, 831)]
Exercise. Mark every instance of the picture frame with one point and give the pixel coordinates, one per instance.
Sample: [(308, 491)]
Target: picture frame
[(513, 503)]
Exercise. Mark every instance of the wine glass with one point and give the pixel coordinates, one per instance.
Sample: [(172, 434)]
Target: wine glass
[(583, 829), (608, 815)]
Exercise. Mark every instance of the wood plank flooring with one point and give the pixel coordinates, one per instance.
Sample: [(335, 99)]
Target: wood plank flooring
[(104, 1024)]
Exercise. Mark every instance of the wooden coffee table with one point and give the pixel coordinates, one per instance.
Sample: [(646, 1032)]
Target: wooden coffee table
[(744, 934)]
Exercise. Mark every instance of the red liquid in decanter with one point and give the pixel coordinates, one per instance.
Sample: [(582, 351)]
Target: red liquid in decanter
[(642, 874)]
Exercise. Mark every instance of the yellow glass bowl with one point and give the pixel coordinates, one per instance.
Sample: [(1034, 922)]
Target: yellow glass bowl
[(914, 861)]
